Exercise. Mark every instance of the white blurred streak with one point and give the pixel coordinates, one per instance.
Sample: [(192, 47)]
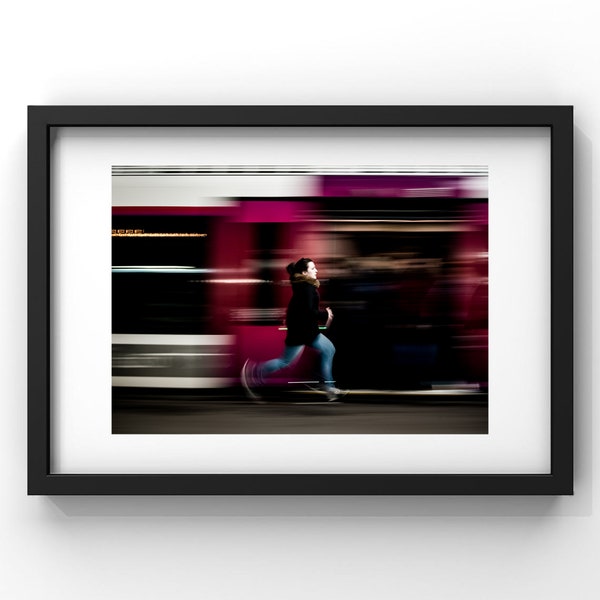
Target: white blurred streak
[(205, 190), (172, 382), (173, 340)]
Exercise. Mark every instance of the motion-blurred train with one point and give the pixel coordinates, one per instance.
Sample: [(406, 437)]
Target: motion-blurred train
[(199, 282)]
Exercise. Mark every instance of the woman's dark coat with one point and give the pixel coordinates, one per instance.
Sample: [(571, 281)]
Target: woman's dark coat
[(303, 314)]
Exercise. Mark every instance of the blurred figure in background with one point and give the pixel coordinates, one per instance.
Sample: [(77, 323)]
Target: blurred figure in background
[(302, 319)]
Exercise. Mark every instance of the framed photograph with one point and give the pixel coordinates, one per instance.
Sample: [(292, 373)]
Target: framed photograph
[(300, 300)]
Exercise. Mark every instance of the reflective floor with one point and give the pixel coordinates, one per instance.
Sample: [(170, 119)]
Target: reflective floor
[(301, 411)]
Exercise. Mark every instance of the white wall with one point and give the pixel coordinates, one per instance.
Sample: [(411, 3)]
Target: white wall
[(262, 51)]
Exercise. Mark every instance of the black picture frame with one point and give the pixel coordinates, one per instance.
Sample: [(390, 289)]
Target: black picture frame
[(41, 122)]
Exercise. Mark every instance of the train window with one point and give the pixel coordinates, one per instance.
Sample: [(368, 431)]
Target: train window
[(159, 265)]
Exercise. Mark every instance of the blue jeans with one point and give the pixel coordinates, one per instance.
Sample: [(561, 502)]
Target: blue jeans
[(321, 344)]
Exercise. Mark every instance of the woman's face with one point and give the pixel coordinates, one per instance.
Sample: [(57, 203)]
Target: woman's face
[(311, 270)]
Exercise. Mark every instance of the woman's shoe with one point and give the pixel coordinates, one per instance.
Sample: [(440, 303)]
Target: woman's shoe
[(247, 379), (333, 394)]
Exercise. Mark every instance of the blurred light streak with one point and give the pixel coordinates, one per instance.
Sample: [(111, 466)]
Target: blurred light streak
[(128, 234)]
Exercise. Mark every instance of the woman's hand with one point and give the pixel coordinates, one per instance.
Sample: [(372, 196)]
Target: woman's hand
[(329, 316)]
